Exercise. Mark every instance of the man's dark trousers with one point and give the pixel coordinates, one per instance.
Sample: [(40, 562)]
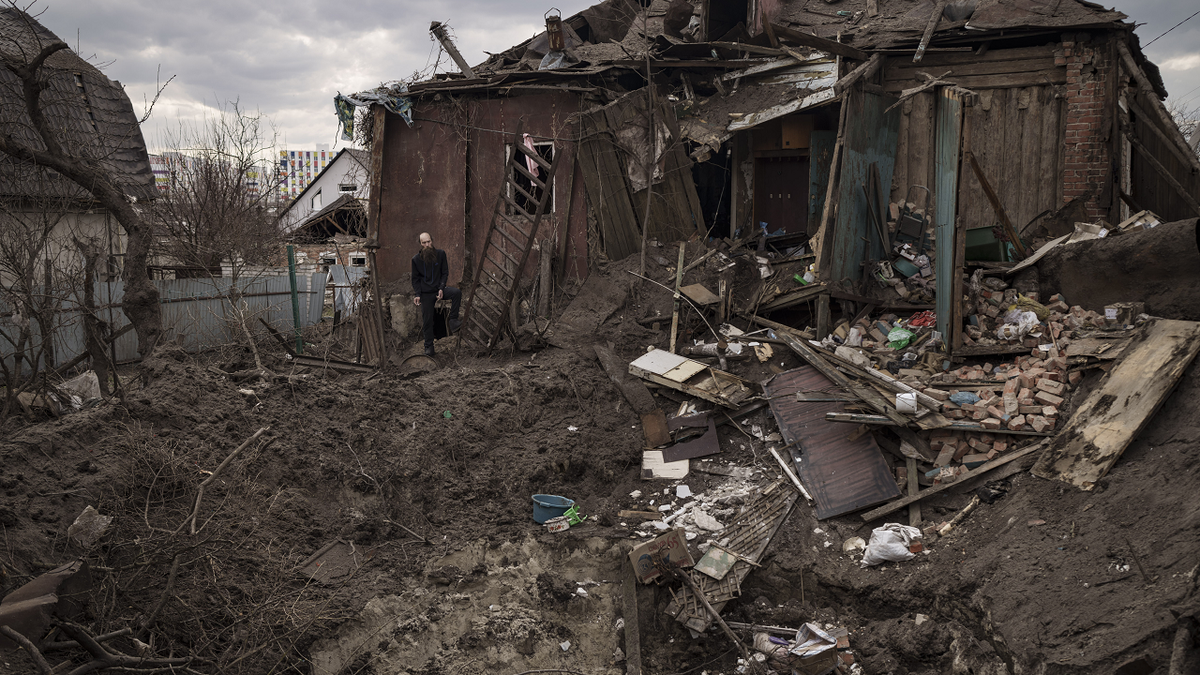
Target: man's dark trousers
[(429, 312)]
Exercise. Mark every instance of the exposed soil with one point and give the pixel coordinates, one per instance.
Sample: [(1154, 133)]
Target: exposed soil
[(422, 484)]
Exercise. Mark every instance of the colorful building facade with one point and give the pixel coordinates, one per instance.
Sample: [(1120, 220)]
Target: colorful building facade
[(297, 168)]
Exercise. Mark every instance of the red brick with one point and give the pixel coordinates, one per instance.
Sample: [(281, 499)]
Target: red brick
[(945, 456), (991, 423), (1016, 423), (1000, 446), (937, 394), (1048, 398), (1050, 387)]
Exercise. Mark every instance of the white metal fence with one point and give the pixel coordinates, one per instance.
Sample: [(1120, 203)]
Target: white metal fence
[(197, 313)]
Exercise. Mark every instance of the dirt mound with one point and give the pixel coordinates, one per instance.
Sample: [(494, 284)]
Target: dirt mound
[(416, 492)]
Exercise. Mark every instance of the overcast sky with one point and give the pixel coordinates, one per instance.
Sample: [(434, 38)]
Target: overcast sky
[(287, 58)]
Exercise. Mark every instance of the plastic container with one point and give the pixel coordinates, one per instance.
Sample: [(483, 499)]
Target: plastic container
[(546, 507), (557, 524)]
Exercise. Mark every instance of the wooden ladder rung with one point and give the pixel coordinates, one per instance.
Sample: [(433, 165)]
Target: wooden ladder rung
[(532, 154), (532, 178), (515, 207), (516, 242)]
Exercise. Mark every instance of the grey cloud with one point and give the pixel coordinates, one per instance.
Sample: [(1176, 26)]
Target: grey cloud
[(223, 50)]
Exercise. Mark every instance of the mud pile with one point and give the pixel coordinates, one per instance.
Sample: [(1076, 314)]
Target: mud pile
[(382, 524)]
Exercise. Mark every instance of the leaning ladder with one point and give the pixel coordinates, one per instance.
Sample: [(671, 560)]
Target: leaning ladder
[(506, 249)]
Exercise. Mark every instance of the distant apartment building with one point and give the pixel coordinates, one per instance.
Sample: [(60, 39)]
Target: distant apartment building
[(298, 168), (174, 170)]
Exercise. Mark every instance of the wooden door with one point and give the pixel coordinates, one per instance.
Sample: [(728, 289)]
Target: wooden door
[(781, 194)]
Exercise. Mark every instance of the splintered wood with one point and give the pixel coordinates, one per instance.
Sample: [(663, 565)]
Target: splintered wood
[(1120, 408), (691, 377)]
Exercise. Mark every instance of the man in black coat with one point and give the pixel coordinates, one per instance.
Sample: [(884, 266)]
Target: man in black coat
[(430, 272)]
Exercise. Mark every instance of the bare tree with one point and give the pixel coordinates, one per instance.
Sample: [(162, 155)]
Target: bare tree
[(1187, 115), (219, 201), (41, 134)]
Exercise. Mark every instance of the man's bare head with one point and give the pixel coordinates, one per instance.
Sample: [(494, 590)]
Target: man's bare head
[(428, 253)]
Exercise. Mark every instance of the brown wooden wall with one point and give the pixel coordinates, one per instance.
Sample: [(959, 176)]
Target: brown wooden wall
[(442, 175), (1150, 190), (613, 137), (1015, 130)]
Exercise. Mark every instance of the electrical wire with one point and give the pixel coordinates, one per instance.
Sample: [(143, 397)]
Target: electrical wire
[(1172, 28)]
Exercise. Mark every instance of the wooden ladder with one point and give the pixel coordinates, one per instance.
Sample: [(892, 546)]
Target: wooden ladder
[(510, 238)]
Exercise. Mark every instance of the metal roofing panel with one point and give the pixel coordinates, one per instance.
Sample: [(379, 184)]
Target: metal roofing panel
[(842, 475)]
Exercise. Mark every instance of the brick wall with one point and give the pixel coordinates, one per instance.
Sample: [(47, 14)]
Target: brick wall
[(1087, 162)]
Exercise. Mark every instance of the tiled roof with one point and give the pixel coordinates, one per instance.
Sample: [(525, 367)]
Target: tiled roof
[(90, 113)]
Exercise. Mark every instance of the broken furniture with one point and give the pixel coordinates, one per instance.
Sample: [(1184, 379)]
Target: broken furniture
[(691, 377)]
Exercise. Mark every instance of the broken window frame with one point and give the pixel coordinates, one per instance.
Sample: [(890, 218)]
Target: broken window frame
[(546, 150)]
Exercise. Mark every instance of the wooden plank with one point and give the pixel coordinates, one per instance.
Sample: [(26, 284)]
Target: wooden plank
[(633, 639), (823, 44), (700, 295), (859, 418), (908, 72), (1126, 400), (633, 390), (932, 59), (604, 180), (824, 95), (929, 492), (914, 509), (1004, 81), (994, 200)]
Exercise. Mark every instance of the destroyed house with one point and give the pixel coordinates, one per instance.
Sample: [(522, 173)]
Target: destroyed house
[(956, 127), (85, 111)]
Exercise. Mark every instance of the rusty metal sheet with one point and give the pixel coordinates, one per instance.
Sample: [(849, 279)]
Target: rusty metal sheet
[(842, 475), (442, 175)]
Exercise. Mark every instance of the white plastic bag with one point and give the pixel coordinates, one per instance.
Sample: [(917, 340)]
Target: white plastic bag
[(890, 542), (1024, 323)]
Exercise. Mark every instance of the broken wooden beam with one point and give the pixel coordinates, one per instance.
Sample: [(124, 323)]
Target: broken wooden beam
[(816, 42), (864, 71), (332, 364), (994, 200), (930, 27), (905, 501), (868, 395), (858, 418)]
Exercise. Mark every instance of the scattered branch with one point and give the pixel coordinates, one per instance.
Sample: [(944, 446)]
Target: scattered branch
[(29, 647), (200, 491)]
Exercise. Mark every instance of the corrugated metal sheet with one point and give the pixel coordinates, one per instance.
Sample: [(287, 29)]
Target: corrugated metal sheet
[(197, 313), (842, 475)]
